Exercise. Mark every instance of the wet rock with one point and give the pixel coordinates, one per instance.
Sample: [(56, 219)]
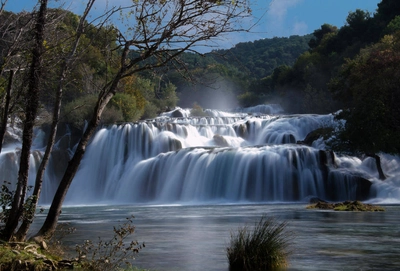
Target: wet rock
[(10, 139), (174, 144), (314, 135), (354, 206), (220, 141), (177, 114)]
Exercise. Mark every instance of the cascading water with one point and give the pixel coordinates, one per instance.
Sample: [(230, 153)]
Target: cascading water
[(222, 158)]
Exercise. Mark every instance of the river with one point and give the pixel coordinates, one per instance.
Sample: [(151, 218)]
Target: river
[(196, 237)]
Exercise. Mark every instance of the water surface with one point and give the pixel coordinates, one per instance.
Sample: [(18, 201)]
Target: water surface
[(195, 237)]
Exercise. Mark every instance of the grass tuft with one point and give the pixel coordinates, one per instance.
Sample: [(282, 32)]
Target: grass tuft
[(265, 247)]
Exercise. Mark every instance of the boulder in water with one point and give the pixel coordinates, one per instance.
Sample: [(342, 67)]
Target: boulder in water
[(177, 114), (10, 138), (220, 141), (354, 206)]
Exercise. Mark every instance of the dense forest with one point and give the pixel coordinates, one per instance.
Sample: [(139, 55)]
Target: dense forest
[(234, 71), (353, 68), (356, 69)]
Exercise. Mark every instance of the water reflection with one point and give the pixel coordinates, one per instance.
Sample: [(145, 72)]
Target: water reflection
[(195, 237)]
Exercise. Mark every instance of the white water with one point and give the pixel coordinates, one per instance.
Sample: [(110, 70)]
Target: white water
[(223, 158)]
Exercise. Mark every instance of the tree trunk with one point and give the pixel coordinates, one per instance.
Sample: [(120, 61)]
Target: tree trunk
[(152, 40), (23, 230), (27, 220), (6, 108), (378, 165), (50, 224), (32, 104)]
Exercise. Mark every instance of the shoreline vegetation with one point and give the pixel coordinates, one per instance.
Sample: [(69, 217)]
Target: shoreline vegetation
[(117, 253), (31, 256), (348, 206), (18, 256)]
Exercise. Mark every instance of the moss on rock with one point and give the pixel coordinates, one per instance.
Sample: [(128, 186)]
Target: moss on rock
[(355, 206)]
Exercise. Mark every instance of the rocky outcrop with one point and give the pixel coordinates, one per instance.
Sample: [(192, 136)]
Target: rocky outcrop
[(175, 144), (242, 129), (177, 114), (10, 138), (314, 135), (354, 206)]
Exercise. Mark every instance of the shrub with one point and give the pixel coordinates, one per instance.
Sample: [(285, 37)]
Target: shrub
[(263, 248), (197, 111), (114, 254), (150, 111), (249, 99), (127, 104), (6, 199), (111, 115), (79, 110)]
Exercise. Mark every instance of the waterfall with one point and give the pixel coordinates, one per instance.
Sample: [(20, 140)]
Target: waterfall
[(268, 173), (223, 157)]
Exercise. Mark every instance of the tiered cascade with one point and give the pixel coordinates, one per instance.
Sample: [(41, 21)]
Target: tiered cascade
[(221, 158)]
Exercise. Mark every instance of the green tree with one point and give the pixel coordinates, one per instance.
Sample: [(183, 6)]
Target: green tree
[(126, 104), (159, 32), (369, 84), (393, 26), (319, 34), (32, 104), (387, 11)]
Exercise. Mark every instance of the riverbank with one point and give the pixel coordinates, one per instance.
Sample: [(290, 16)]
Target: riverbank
[(31, 256)]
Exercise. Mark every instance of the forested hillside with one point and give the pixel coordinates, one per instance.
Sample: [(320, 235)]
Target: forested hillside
[(354, 67), (226, 74), (138, 96), (304, 87), (261, 57)]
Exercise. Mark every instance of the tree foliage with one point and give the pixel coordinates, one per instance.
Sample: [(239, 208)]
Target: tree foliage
[(330, 47), (369, 86), (109, 65), (261, 57)]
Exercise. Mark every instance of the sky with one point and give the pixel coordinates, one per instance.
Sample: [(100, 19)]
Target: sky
[(276, 18)]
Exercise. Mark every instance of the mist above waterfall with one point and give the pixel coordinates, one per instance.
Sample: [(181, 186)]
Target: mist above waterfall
[(216, 93)]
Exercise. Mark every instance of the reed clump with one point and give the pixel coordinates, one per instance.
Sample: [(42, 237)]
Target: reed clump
[(264, 247)]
